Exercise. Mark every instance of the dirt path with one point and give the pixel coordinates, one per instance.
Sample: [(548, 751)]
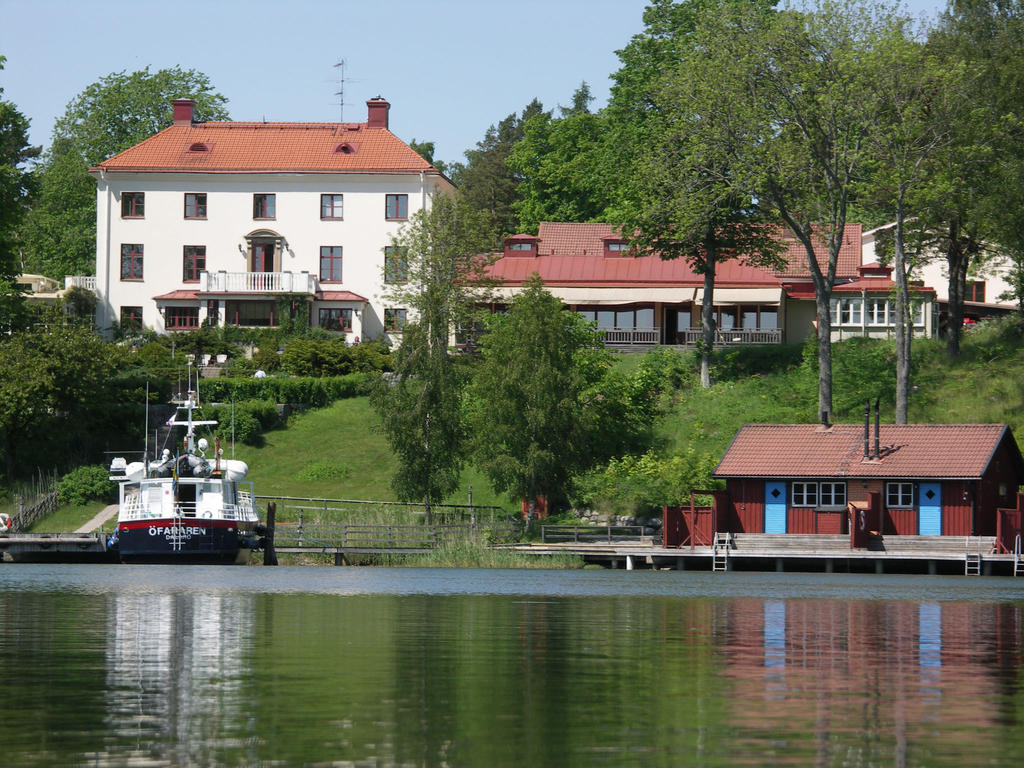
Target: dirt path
[(100, 519)]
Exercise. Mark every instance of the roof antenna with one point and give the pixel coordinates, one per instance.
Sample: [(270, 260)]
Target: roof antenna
[(340, 93)]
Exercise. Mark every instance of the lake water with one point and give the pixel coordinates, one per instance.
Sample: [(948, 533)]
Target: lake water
[(192, 666)]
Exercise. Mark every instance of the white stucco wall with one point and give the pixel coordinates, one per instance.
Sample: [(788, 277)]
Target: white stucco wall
[(935, 274), (165, 231)]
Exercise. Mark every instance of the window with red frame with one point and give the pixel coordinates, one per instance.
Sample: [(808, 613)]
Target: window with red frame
[(976, 291), (396, 207), (133, 205), (195, 205), (331, 206), (396, 264), (264, 206), (394, 320), (131, 318), (193, 262), (180, 318), (131, 261), (336, 319), (330, 263)]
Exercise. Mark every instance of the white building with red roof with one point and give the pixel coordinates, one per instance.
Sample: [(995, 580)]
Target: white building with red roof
[(236, 223), (643, 299)]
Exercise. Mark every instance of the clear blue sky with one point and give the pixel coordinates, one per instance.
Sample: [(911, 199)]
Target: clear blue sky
[(450, 68)]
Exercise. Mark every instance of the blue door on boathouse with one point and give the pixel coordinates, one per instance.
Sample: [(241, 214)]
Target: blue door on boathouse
[(929, 508), (774, 507)]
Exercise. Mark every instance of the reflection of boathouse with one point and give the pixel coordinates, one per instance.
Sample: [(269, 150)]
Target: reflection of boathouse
[(896, 672)]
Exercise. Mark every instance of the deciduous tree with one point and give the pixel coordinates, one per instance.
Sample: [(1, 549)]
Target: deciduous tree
[(16, 183), (109, 116), (440, 279)]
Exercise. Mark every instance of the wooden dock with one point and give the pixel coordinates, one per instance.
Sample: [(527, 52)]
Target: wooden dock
[(56, 548), (972, 555)]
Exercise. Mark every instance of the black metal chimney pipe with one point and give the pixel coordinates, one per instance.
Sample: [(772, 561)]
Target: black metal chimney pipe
[(867, 427), (878, 453)]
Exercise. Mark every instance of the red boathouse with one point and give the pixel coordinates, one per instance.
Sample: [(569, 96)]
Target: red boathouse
[(911, 479)]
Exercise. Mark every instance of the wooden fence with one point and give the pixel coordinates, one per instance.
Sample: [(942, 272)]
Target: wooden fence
[(377, 538)]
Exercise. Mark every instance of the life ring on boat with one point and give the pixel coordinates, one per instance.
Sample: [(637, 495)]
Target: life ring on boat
[(207, 514), (5, 522)]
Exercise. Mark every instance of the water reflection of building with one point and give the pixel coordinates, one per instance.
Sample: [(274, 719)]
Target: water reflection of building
[(888, 671), (176, 666)]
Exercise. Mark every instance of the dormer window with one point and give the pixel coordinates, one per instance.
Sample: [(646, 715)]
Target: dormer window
[(346, 148), (616, 248), (199, 147), (521, 245)]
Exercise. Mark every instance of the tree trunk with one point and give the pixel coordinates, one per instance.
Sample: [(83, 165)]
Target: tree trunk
[(904, 322), (707, 313), (956, 261), (822, 302)]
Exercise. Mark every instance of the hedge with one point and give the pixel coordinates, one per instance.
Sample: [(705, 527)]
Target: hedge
[(305, 390)]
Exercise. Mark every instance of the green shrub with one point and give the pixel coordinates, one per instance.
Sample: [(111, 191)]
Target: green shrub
[(644, 484), (83, 484)]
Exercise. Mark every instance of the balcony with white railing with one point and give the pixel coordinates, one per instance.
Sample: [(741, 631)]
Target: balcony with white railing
[(86, 282), (257, 282)]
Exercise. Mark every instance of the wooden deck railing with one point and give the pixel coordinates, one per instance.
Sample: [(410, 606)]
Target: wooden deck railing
[(582, 534)]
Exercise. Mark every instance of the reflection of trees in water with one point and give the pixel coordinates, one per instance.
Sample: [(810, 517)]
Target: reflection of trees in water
[(176, 668)]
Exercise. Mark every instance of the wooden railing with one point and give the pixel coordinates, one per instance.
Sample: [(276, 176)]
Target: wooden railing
[(732, 336), (590, 533), (344, 536), (257, 282), (620, 336)]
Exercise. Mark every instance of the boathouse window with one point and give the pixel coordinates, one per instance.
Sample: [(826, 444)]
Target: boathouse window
[(193, 262), (133, 205), (396, 207), (833, 495), (195, 205), (336, 319), (899, 494), (805, 494)]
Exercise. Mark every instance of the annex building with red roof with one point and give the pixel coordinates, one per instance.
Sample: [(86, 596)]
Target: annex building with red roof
[(647, 300), (235, 223), (894, 479)]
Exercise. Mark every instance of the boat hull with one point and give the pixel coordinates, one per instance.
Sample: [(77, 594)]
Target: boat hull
[(185, 541)]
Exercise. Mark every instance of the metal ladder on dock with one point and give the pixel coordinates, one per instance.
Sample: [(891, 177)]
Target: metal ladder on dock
[(1018, 566), (972, 560), (720, 551)]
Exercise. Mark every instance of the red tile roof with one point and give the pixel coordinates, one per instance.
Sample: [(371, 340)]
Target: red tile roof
[(270, 147), (908, 450), (640, 271), (573, 253), (179, 295), (339, 296), (846, 266)]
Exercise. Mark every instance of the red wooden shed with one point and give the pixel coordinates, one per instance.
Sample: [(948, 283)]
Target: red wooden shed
[(910, 479)]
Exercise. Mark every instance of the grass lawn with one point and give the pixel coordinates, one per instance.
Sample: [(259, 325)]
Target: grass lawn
[(339, 452), (68, 519)]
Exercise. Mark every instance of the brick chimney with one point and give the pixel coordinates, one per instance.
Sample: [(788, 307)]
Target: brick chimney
[(377, 112), (183, 111)]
